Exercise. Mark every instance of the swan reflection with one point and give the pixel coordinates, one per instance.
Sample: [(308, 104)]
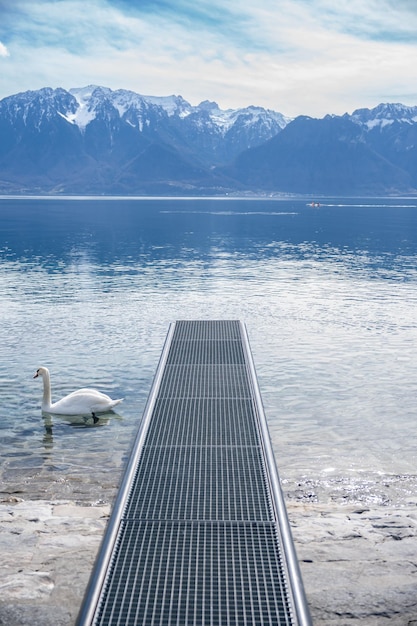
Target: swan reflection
[(52, 421)]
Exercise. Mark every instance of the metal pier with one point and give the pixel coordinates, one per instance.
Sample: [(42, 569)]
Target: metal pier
[(199, 533)]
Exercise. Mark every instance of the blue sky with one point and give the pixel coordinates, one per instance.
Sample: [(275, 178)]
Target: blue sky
[(307, 57)]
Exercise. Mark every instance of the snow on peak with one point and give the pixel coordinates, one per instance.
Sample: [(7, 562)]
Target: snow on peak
[(172, 105), (123, 100), (81, 105), (84, 113), (207, 105), (384, 115), (83, 94)]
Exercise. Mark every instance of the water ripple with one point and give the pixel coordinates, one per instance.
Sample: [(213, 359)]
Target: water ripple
[(331, 321)]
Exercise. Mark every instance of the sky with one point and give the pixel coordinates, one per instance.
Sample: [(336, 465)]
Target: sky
[(297, 57)]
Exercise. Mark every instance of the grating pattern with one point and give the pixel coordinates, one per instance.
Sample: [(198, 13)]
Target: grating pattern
[(197, 573), (203, 422), (213, 483), (213, 330), (198, 542), (205, 381), (206, 352)]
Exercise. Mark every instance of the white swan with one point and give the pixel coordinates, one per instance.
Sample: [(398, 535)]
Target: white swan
[(80, 402)]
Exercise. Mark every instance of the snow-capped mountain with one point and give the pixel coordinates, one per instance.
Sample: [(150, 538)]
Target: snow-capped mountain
[(372, 151), (96, 140), (384, 115), (89, 99), (94, 136), (170, 115)]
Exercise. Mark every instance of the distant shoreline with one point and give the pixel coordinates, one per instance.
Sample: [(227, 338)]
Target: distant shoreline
[(249, 197)]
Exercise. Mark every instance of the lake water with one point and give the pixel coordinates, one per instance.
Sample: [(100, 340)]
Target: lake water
[(329, 296)]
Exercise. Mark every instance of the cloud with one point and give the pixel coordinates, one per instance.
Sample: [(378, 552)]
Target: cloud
[(3, 50), (295, 56), (381, 20)]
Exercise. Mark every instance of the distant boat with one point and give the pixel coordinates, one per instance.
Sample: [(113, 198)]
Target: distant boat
[(314, 204)]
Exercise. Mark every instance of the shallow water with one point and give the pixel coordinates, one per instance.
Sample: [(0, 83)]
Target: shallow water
[(89, 287)]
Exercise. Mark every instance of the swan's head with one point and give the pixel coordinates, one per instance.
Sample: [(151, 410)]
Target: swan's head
[(41, 371)]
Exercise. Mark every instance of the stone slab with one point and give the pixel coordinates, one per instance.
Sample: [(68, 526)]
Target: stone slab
[(359, 564)]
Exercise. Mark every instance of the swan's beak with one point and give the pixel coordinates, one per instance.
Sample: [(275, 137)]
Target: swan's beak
[(36, 375)]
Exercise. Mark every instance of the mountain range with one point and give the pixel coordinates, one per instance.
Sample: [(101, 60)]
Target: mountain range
[(94, 140)]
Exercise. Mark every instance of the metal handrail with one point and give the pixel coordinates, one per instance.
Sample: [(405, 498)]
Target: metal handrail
[(295, 579), (92, 594)]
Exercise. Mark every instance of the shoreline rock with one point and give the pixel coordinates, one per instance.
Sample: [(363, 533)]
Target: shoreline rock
[(48, 551), (358, 563)]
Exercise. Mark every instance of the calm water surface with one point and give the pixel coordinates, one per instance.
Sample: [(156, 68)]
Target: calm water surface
[(88, 288)]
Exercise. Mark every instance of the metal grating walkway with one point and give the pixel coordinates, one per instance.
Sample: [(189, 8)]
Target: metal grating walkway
[(199, 533)]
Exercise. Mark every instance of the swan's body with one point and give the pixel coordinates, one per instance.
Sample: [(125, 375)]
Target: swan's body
[(81, 402)]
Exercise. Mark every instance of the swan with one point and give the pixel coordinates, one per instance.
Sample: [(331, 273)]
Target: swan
[(80, 402)]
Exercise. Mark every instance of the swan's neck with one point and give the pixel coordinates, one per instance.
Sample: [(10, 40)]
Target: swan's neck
[(46, 400)]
